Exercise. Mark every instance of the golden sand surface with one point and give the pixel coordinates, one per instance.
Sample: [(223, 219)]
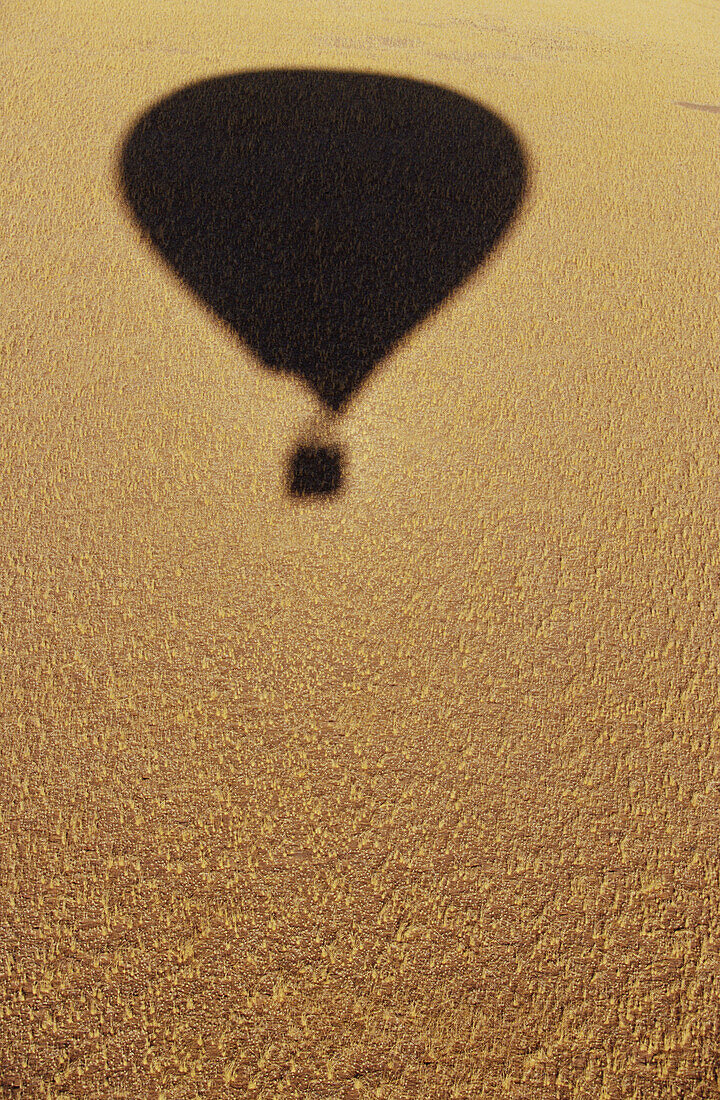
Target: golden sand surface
[(412, 792)]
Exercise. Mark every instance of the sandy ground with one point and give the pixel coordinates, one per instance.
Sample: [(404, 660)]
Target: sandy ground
[(413, 791)]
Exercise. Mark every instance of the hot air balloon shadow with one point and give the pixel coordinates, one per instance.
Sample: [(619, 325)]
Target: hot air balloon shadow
[(321, 215)]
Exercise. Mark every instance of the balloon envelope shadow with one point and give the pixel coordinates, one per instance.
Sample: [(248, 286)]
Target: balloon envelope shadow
[(321, 215)]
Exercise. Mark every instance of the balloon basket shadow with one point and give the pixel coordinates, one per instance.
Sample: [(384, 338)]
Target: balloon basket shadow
[(316, 468)]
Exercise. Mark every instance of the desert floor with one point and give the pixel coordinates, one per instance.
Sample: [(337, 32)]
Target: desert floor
[(412, 791)]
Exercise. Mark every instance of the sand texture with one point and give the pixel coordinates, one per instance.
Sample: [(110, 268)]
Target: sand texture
[(410, 791)]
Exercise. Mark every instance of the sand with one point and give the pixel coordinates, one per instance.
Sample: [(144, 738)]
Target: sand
[(411, 791)]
